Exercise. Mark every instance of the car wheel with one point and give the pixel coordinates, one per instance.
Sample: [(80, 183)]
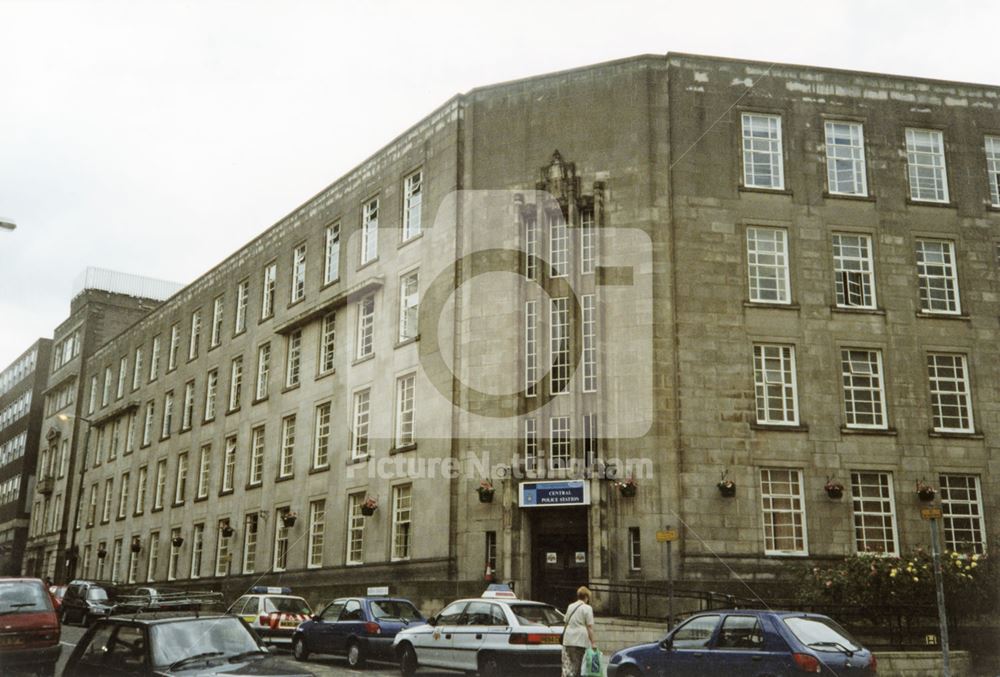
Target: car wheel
[(407, 661), (489, 665), (299, 649), (355, 654)]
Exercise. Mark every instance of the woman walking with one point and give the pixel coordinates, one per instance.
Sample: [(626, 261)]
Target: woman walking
[(578, 633)]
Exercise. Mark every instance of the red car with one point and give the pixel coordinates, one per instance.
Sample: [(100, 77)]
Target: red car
[(29, 628), (57, 592)]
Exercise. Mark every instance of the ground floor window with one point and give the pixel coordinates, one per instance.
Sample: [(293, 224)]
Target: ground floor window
[(784, 513)]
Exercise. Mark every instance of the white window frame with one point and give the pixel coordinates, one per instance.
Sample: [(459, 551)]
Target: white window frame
[(255, 472), (968, 509), (279, 560), (235, 383), (405, 401), (361, 424), (328, 343), (180, 479), (154, 359), (195, 337), (588, 242), (263, 371), (331, 264), (317, 533), (106, 392), (122, 377), (251, 533), (217, 318), (874, 501), (160, 486), (992, 146), (187, 415), (530, 348), (768, 265), (222, 551), (322, 429), (174, 558), (774, 504), (240, 321), (845, 154), (293, 359), (959, 389), (123, 495), (938, 276), (402, 523), (531, 232), (559, 346), (286, 462), (140, 490), (229, 464), (854, 271), (862, 373), (588, 310), (136, 369), (168, 414), (531, 443), (412, 204), (560, 442), (197, 549), (175, 344), (634, 549), (204, 470), (409, 305), (762, 382), (558, 244), (298, 284), (355, 553), (366, 327), (369, 231), (763, 147), (925, 161), (211, 393), (267, 290), (153, 560)]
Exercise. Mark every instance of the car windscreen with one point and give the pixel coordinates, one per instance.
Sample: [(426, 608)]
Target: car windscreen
[(23, 597), (536, 614), (177, 640), (821, 633), (391, 609), (97, 595), (288, 605)]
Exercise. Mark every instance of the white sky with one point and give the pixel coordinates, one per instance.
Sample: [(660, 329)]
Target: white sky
[(157, 137)]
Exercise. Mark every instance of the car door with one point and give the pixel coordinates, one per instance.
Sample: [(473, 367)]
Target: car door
[(469, 635), (744, 647), (113, 649), (351, 623), (321, 632), (685, 655), (434, 648)]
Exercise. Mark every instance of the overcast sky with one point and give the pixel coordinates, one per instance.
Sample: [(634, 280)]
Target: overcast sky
[(158, 137)]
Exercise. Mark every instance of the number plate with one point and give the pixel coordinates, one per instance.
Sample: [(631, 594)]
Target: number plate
[(11, 640), (549, 639)]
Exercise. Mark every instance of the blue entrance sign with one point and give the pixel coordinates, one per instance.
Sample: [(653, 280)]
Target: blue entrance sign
[(543, 494)]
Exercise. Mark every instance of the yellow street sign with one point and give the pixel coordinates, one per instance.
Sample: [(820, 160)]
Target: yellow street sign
[(666, 536), (930, 513)]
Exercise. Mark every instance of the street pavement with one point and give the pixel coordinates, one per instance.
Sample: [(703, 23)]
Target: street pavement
[(323, 666)]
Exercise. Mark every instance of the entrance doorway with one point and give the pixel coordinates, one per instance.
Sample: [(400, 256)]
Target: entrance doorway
[(560, 554)]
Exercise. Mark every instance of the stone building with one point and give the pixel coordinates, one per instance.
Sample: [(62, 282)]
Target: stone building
[(21, 386), (770, 274)]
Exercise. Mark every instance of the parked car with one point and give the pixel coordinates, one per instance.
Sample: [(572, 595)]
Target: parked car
[(496, 634), (87, 601), (357, 627), (746, 643), (175, 643), (273, 613), (57, 592), (29, 628), (160, 599)]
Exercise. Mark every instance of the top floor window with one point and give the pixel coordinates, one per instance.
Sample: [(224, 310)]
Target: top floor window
[(845, 158), (175, 342), (993, 168), (926, 166), (331, 270), (299, 273), (267, 292), (216, 322), (763, 165), (412, 201), (242, 291), (369, 231), (195, 334)]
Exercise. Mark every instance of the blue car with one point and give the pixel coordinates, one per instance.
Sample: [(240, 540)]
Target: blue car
[(745, 643), (356, 627)]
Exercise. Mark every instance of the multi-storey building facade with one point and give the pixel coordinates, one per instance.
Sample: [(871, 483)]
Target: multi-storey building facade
[(814, 294), (21, 386), (105, 304)]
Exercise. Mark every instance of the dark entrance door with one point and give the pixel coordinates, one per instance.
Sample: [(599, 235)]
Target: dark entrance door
[(560, 556)]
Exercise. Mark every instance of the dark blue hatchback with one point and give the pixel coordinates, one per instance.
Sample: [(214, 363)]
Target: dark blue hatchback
[(357, 627), (746, 643)]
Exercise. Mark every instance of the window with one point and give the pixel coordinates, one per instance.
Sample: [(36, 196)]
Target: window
[(116, 560), (242, 292), (251, 524), (294, 361), (195, 334), (696, 633), (321, 442), (763, 165), (359, 441), (236, 383), (116, 430), (92, 406), (558, 243), (188, 413), (222, 556), (154, 359), (122, 376), (589, 343), (774, 384), (634, 549), (404, 410), (91, 510), (106, 393), (197, 548), (331, 269), (136, 371), (742, 633), (874, 513), (168, 414), (366, 327), (286, 465), (401, 521), (355, 529), (845, 159), (161, 484), (211, 391), (993, 168), (140, 490), (328, 343), (102, 545), (784, 512), (280, 562), (317, 522), (175, 344), (590, 450), (951, 404), (962, 512), (267, 291), (530, 443), (204, 470), (174, 560), (409, 305), (229, 464), (767, 265), (530, 348), (108, 498), (299, 273), (937, 277), (925, 164), (864, 394), (216, 337), (588, 242), (559, 429), (154, 556), (263, 371), (180, 485), (530, 246), (123, 496), (854, 276), (369, 231), (256, 474), (412, 201), (559, 344), (491, 552)]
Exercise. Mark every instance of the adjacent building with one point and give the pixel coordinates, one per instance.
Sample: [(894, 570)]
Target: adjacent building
[(777, 276)]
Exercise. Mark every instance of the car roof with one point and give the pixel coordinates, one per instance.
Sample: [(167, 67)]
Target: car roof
[(503, 600), (758, 612), (374, 598), (21, 579), (157, 617)]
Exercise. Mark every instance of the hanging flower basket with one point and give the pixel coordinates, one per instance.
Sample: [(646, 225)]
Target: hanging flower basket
[(925, 492), (834, 489), (227, 530), (288, 519), (136, 545), (727, 488), (485, 491), (177, 541), (628, 488), (369, 507), (101, 554)]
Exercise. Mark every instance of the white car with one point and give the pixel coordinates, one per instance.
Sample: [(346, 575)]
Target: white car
[(273, 613), (496, 634)]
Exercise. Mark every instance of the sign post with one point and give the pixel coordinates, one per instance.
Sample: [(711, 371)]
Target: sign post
[(668, 536), (932, 515)]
